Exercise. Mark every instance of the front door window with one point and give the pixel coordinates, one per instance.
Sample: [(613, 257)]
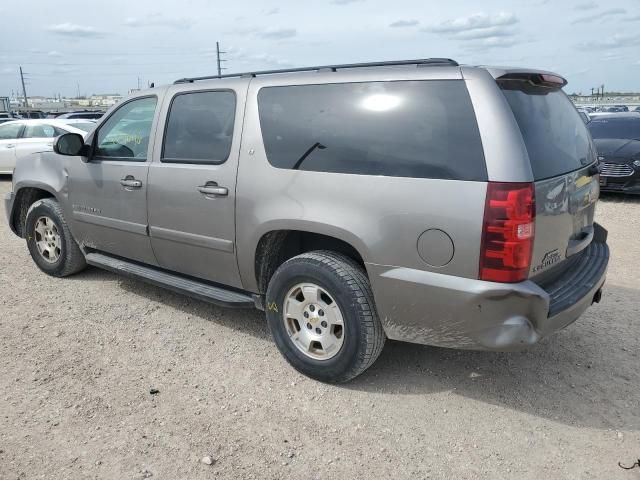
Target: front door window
[(125, 135)]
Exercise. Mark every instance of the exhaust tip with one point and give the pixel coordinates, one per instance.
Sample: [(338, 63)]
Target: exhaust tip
[(597, 297)]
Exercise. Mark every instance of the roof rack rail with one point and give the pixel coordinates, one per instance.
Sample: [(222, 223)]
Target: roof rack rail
[(332, 68)]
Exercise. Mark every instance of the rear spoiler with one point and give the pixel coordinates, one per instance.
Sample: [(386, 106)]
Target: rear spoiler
[(534, 78), (545, 80)]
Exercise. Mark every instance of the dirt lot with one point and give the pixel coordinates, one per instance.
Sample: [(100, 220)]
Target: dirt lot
[(80, 355)]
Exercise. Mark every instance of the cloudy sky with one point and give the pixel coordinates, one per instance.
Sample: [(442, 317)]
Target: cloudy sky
[(103, 47)]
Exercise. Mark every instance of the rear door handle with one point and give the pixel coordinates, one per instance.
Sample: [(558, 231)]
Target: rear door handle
[(11, 146), (212, 188), (579, 244), (130, 182)]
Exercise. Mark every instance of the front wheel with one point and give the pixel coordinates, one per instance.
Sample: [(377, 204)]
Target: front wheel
[(322, 316), (49, 240)]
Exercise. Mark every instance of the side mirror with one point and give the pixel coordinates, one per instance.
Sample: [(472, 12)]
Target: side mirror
[(70, 144)]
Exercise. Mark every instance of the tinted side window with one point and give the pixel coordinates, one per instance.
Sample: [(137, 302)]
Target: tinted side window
[(423, 129), (200, 127), (125, 135), (10, 131)]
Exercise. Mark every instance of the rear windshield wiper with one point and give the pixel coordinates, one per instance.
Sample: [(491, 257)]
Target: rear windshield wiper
[(317, 145)]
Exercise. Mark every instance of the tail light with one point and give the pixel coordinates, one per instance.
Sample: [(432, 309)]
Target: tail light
[(507, 233)]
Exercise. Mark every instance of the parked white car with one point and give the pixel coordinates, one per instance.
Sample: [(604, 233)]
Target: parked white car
[(22, 137)]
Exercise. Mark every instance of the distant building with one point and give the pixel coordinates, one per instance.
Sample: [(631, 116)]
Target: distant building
[(105, 99), (98, 101)]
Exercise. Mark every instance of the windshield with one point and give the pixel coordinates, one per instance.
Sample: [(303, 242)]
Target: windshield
[(84, 126), (625, 128), (556, 138)]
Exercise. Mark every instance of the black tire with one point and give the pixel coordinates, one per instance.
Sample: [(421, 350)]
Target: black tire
[(345, 281), (71, 259)]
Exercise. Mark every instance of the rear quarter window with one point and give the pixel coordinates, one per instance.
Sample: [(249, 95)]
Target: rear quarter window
[(556, 138), (423, 129)]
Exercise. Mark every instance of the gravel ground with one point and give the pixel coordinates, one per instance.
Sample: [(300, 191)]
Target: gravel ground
[(80, 355)]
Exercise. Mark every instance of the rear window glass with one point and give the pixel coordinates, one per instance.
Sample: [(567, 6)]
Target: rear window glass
[(625, 128), (556, 138), (424, 129)]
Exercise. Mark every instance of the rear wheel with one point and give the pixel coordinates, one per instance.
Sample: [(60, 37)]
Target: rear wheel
[(322, 316), (49, 240)]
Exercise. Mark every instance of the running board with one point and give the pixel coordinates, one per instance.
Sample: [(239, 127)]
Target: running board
[(176, 283)]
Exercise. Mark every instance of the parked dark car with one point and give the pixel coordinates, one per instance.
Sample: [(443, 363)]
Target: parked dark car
[(613, 109), (87, 115), (35, 114), (617, 140)]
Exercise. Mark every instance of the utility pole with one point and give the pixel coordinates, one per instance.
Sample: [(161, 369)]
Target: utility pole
[(219, 60), (592, 91), (602, 91), (24, 90)]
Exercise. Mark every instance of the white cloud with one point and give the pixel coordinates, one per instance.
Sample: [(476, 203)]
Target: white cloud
[(475, 22), (267, 59), (586, 6), (159, 20), (404, 23), (480, 30), (489, 32), (277, 33), (487, 43), (613, 41), (73, 30), (344, 2), (606, 14)]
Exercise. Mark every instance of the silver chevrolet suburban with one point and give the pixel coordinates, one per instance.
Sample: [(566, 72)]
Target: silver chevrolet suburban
[(421, 201)]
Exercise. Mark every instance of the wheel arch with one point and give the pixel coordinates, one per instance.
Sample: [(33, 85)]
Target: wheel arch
[(279, 245), (25, 196)]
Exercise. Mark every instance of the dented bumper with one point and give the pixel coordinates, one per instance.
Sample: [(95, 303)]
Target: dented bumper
[(9, 198), (435, 309)]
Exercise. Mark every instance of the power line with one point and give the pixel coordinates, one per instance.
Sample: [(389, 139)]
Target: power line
[(102, 64), (93, 54)]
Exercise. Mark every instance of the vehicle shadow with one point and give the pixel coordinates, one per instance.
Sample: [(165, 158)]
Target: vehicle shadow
[(586, 375), (247, 320), (611, 197)]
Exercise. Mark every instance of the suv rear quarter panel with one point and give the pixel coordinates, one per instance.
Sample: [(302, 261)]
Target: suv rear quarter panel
[(381, 217), (504, 150)]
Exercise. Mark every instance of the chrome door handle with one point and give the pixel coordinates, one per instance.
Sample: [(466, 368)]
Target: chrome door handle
[(130, 182), (11, 146), (213, 189)]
